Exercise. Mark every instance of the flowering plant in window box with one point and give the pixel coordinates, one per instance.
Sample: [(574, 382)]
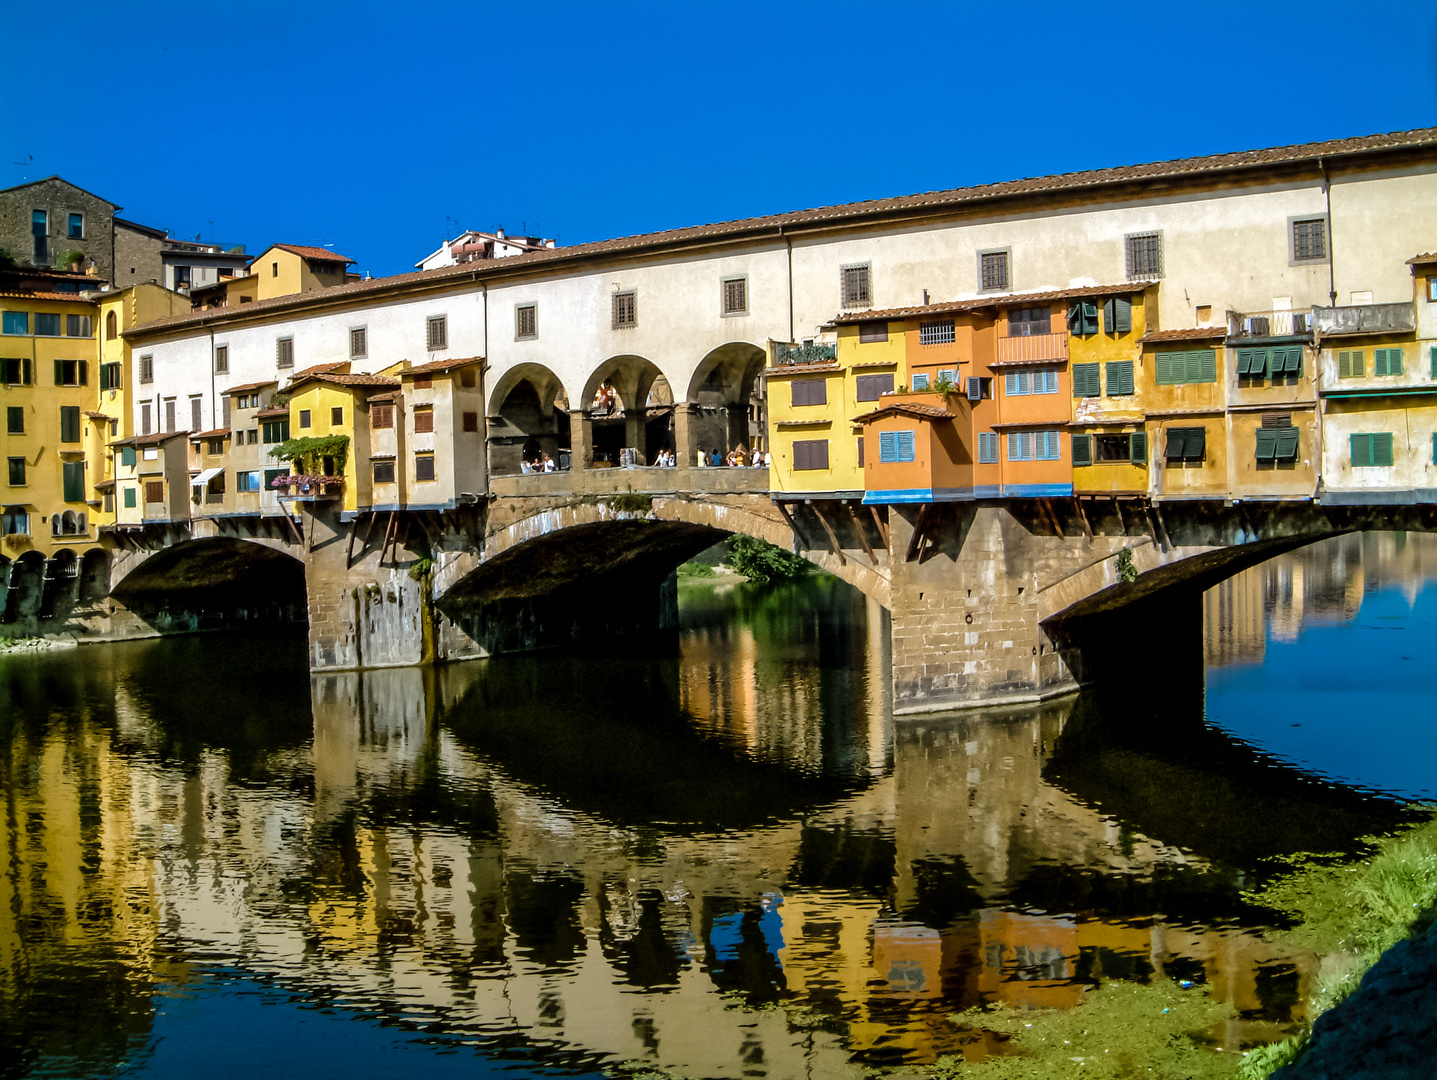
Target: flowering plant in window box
[(307, 484)]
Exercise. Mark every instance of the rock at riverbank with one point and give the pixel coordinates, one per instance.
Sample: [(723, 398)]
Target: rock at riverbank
[(1387, 1028)]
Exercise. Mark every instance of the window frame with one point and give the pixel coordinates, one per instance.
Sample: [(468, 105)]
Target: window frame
[(820, 383), (532, 334), (725, 311), (1130, 262), (70, 233), (617, 304), (423, 413), (848, 300), (436, 342), (869, 334), (809, 466), (938, 331), (422, 457), (359, 334), (1309, 260), (375, 464), (284, 352), (875, 383), (1007, 254)]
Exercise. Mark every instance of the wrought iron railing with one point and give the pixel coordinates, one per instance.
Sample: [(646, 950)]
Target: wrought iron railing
[(1269, 324), (807, 353)]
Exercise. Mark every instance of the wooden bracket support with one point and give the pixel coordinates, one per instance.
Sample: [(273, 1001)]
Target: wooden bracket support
[(832, 536), (916, 542)]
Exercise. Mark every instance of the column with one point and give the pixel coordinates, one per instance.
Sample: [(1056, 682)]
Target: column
[(685, 436), (581, 440)]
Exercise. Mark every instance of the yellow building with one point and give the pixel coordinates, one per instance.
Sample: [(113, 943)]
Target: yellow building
[(286, 269), (327, 404), (1106, 338)]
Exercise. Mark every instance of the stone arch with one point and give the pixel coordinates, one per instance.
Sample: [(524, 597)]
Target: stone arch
[(27, 582), (623, 424), (528, 412), (61, 583), (94, 575)]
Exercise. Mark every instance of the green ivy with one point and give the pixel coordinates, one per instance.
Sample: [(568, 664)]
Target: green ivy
[(308, 453)]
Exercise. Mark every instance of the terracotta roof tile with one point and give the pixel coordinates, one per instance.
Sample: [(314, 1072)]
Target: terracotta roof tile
[(1196, 333), (73, 298), (215, 434), (799, 369), (150, 440), (274, 412), (342, 379), (304, 251), (99, 416), (317, 369), (906, 408), (907, 206), (1423, 259), (246, 387), (441, 365), (1127, 288), (391, 395)]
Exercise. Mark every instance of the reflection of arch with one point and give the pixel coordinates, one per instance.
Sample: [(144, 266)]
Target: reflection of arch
[(528, 416), (94, 575)]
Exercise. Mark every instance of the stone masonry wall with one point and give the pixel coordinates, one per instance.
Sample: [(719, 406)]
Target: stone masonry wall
[(58, 199)]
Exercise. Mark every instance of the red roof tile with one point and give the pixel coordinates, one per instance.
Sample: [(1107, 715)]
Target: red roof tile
[(317, 369), (215, 434), (73, 298), (304, 251), (246, 387), (441, 365), (1127, 288), (341, 379), (799, 369), (391, 395), (1196, 333), (906, 408), (272, 413), (149, 440)]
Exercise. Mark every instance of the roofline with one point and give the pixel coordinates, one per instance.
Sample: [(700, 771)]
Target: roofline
[(159, 234), (57, 176), (1147, 180)]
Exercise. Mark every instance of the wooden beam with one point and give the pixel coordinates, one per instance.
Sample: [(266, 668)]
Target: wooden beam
[(792, 524), (353, 532), (916, 541), (1052, 515), (882, 526), (1162, 526), (1083, 517), (1118, 508), (862, 536), (832, 537)]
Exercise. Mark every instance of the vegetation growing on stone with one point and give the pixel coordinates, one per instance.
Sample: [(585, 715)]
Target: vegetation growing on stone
[(760, 561), (631, 504)]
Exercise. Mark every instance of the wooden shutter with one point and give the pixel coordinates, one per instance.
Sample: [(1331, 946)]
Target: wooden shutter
[(127, 456), (1382, 448), (73, 473), (810, 454), (1266, 444), (59, 373), (69, 423), (154, 491), (810, 391), (887, 446), (1177, 443), (1138, 448), (1075, 318), (1086, 380), (860, 452), (1120, 377), (1122, 315), (423, 420), (1361, 450), (1163, 368), (905, 446), (1082, 450), (1286, 443)]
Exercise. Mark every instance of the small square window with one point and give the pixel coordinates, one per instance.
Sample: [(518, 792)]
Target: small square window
[(1144, 255), (626, 309), (937, 332), (304, 418), (993, 271), (383, 472), (77, 226), (381, 416), (1309, 239), (284, 352), (423, 419), (336, 416), (855, 286), (424, 466), (436, 332), (526, 321), (471, 421), (735, 296), (872, 331), (358, 343)]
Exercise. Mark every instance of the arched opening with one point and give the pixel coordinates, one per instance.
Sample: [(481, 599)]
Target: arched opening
[(726, 401), (61, 581), (27, 581), (528, 419), (94, 575), (620, 426), (215, 583)]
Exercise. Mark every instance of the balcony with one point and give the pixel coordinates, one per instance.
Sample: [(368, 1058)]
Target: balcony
[(1032, 348), (1364, 319), (1268, 325), (811, 353)]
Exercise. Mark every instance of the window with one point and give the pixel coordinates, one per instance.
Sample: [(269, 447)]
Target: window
[(992, 270), (274, 269), (1186, 444), (47, 324), (1371, 450), (423, 382), (1120, 377), (358, 343), (69, 423), (154, 491), (1432, 288), (381, 416), (1350, 364), (222, 359), (72, 480), (1175, 368), (284, 352), (14, 420), (735, 296), (872, 331), (16, 372), (1278, 441), (920, 380), (72, 372), (16, 521), (196, 417), (1132, 448), (1029, 322), (17, 472), (1144, 255), (859, 441), (625, 309), (251, 436), (468, 378), (247, 481), (271, 475), (950, 375), (937, 332), (147, 369), (470, 421), (77, 326), (1033, 446), (526, 321), (895, 446), (336, 416), (40, 231), (810, 391), (182, 277), (810, 454), (1118, 315), (147, 422), (304, 418), (112, 327), (130, 498), (1387, 361), (872, 387), (424, 466), (383, 471), (854, 286), (15, 322), (1019, 383), (987, 448), (423, 418), (1309, 239), (1082, 318), (1086, 380), (77, 226), (276, 431)]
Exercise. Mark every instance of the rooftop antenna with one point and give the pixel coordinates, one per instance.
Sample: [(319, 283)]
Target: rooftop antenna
[(25, 167)]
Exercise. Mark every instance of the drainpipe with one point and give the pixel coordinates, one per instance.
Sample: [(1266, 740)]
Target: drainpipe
[(484, 367), (214, 407), (788, 241), (1331, 264)]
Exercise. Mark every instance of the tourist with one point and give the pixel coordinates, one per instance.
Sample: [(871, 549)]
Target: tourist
[(547, 463)]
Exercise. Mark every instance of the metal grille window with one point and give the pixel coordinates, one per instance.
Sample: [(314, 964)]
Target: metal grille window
[(872, 331), (626, 309), (988, 448), (993, 270), (810, 391), (735, 296), (436, 332), (872, 387), (896, 445), (358, 342), (526, 321), (222, 359), (284, 352), (855, 286), (937, 332), (810, 454), (1309, 239), (424, 466), (1145, 255)]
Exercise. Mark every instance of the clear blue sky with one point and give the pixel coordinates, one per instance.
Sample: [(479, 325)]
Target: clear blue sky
[(379, 128)]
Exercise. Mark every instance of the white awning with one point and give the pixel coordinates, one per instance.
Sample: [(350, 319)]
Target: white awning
[(204, 477)]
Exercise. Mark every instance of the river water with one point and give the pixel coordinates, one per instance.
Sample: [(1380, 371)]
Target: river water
[(735, 863)]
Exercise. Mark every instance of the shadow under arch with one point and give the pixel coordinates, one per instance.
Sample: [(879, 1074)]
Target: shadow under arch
[(215, 583), (528, 417), (721, 393), (620, 421)]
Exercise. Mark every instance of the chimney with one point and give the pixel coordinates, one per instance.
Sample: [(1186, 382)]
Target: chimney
[(499, 232)]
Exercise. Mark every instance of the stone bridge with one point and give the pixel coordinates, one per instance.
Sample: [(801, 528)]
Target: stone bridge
[(1008, 601)]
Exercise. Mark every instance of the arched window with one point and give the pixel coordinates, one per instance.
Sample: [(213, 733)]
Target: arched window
[(112, 327)]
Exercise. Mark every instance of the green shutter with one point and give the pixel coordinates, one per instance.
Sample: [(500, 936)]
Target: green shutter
[(1266, 444), (129, 498), (1361, 450), (1110, 315), (1086, 380), (1394, 361), (74, 480), (1344, 365), (1433, 357), (69, 423), (1379, 361), (1083, 449), (1207, 365), (127, 456), (1122, 315), (1358, 364), (1138, 448), (1286, 443), (27, 374), (1177, 443), (1292, 362), (59, 373), (1382, 448), (1120, 377), (1163, 368), (84, 373), (1245, 361)]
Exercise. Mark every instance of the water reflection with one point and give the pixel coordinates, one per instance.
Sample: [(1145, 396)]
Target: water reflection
[(732, 864)]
